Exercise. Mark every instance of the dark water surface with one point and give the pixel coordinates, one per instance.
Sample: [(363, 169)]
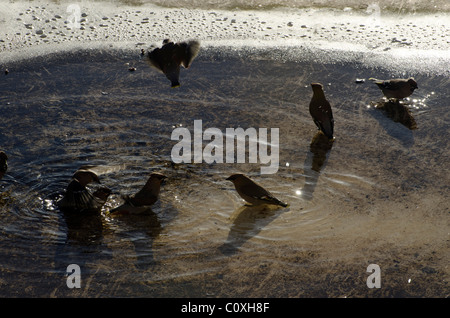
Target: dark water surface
[(378, 195)]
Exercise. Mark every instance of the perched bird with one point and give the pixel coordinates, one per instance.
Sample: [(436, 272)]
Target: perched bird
[(252, 192), (320, 110), (3, 164), (78, 198), (171, 56), (144, 198), (396, 88)]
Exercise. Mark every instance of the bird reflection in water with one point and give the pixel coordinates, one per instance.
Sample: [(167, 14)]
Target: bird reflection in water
[(141, 230), (315, 161), (84, 228), (248, 221), (398, 112)]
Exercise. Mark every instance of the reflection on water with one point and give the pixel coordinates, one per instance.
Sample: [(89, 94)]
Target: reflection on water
[(144, 228), (248, 222), (83, 228), (315, 161), (374, 185), (398, 112)]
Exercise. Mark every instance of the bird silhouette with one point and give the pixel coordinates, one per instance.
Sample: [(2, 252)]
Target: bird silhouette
[(171, 56), (252, 192), (398, 88), (144, 198), (78, 198), (320, 110)]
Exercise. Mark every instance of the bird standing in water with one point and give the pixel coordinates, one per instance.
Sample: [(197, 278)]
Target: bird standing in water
[(398, 88), (252, 192), (171, 56), (320, 110), (78, 198), (144, 198), (3, 164)]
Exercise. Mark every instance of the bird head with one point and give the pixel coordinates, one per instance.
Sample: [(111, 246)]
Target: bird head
[(85, 177), (316, 85), (317, 90), (412, 83), (158, 176), (234, 177)]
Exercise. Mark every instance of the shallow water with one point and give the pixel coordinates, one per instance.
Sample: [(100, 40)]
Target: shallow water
[(378, 195)]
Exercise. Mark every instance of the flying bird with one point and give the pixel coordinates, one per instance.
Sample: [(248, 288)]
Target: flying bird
[(3, 164), (171, 56), (78, 198), (398, 88), (252, 192), (320, 110), (144, 198)]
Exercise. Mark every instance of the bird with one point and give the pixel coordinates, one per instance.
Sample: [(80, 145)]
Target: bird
[(78, 198), (171, 56), (252, 192), (398, 88), (3, 164), (144, 198), (320, 110)]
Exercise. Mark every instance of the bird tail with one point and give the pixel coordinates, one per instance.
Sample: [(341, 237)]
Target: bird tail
[(275, 201), (281, 203), (376, 81), (192, 49)]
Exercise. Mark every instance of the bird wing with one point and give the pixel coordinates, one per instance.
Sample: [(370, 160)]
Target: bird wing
[(188, 51), (78, 198), (142, 198), (389, 84), (156, 59), (273, 200), (326, 126), (100, 169), (323, 118), (258, 192)]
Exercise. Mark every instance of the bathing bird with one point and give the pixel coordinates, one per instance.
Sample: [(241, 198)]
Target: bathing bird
[(3, 164), (78, 198), (398, 88), (171, 56), (320, 110), (144, 198), (252, 192)]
